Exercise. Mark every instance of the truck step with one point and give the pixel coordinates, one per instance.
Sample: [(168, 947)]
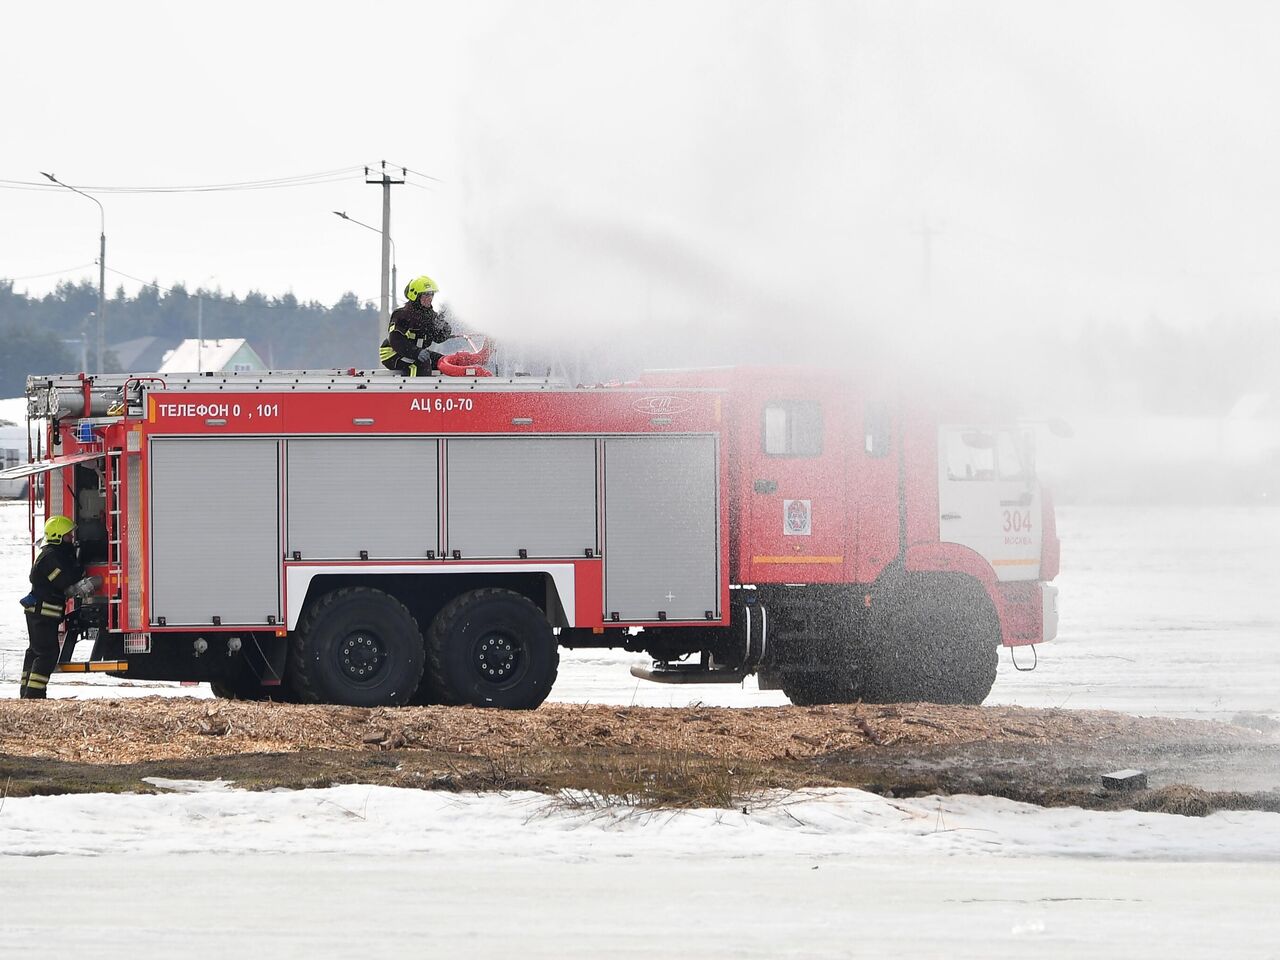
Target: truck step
[(687, 673), (94, 666)]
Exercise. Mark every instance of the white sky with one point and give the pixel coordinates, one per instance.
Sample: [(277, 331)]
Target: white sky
[(729, 166)]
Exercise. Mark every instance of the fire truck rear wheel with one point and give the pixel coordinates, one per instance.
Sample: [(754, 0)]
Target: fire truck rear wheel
[(357, 646), (492, 648)]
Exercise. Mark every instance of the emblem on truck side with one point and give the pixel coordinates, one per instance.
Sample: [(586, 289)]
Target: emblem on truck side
[(797, 518), (667, 405)]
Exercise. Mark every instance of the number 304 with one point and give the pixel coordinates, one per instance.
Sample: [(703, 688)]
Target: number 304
[(1017, 521)]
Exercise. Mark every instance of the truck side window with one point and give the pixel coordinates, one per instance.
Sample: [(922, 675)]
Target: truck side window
[(877, 430), (792, 428)]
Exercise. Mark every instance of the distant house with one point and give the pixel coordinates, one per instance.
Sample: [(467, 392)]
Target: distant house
[(142, 354), (13, 444), (212, 356), (1261, 405)]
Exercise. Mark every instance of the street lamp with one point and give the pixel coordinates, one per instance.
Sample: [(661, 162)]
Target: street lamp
[(82, 342), (393, 287), (200, 292), (102, 266)]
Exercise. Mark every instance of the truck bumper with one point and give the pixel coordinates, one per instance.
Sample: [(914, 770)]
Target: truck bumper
[(1028, 612), (1048, 611)]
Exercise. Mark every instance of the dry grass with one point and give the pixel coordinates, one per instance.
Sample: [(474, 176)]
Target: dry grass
[(609, 759), (156, 728), (664, 781)]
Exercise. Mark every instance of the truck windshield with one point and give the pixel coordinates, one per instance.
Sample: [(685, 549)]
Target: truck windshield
[(978, 454)]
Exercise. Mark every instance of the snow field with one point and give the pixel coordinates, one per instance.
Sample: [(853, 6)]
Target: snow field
[(364, 871), (216, 817)]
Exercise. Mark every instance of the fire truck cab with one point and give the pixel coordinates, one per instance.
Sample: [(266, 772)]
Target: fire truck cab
[(360, 538)]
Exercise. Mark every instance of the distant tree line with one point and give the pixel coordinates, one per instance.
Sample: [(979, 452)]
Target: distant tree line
[(42, 334)]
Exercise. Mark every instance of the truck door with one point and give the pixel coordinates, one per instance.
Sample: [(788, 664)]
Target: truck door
[(795, 528), (988, 498)]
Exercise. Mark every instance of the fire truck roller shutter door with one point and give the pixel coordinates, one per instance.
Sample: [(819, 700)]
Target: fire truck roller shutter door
[(351, 494), (534, 494), (661, 527), (215, 507)]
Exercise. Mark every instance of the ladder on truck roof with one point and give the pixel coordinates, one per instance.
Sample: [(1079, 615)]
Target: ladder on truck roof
[(61, 395)]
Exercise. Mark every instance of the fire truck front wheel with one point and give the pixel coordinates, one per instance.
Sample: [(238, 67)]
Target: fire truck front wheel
[(357, 646), (936, 640), (492, 648)]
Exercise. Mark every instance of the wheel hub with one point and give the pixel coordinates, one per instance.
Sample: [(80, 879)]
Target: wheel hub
[(362, 655), (497, 657)]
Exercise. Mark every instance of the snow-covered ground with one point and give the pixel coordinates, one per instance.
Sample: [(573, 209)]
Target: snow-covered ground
[(365, 871), (1164, 611)]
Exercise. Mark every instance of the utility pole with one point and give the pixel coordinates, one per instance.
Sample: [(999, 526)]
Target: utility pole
[(387, 181), (102, 295)]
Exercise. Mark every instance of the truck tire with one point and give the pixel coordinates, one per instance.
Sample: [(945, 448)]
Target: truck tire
[(936, 640), (356, 646), (838, 680), (492, 648)]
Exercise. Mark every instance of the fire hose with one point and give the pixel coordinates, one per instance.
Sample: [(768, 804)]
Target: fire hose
[(465, 363)]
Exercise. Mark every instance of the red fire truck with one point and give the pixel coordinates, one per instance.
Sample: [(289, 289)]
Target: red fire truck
[(361, 538)]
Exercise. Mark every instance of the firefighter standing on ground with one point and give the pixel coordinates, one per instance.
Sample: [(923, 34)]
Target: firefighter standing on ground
[(412, 328), (55, 575)]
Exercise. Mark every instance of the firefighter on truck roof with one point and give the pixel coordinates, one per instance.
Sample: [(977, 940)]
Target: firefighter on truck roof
[(55, 576), (412, 328)]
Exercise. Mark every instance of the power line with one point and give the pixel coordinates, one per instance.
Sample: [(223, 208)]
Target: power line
[(416, 173), (145, 283), (321, 177), (51, 273), (274, 183)]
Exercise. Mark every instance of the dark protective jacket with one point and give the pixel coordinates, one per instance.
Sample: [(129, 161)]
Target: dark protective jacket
[(412, 327), (56, 570)]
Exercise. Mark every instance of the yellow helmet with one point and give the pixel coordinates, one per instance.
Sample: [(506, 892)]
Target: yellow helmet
[(418, 286), (57, 527)]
